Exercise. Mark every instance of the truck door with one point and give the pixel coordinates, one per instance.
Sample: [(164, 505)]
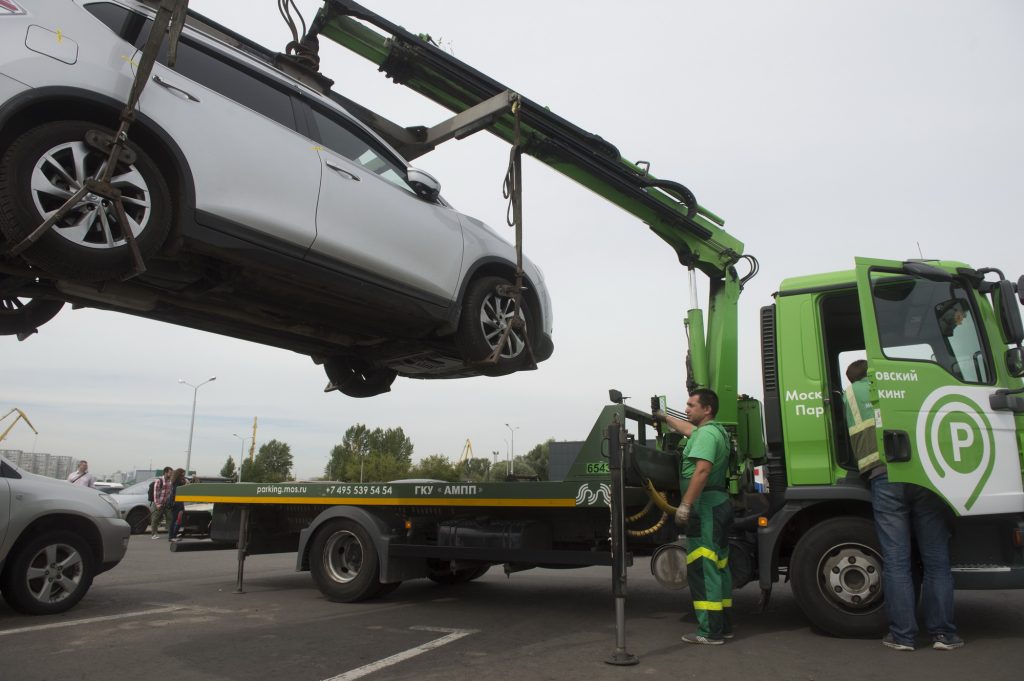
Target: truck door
[(932, 372)]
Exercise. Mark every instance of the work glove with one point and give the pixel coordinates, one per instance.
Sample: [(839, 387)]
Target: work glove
[(682, 514)]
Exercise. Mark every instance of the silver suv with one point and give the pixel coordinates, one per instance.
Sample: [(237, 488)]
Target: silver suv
[(54, 538), (262, 208)]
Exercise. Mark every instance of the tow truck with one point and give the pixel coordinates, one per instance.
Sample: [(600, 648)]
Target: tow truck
[(942, 339)]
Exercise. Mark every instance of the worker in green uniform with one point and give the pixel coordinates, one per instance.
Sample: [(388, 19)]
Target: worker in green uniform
[(706, 513)]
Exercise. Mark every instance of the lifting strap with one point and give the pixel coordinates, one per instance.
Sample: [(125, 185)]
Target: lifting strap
[(512, 189)]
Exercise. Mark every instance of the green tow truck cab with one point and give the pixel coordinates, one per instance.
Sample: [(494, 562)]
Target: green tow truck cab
[(942, 342)]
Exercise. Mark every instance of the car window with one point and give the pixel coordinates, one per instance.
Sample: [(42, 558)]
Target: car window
[(344, 140), (203, 65)]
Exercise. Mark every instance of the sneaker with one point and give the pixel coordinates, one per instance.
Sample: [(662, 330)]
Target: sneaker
[(947, 642), (890, 642), (728, 636), (701, 640), (155, 536)]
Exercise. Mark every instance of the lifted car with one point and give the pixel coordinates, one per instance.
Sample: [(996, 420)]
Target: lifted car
[(261, 208)]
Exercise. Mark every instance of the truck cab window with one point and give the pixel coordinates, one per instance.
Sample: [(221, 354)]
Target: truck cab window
[(930, 321)]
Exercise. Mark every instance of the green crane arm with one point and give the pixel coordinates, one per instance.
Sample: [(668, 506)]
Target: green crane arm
[(668, 207)]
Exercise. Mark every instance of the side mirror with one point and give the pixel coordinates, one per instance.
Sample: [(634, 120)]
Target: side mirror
[(615, 396), (926, 271), (1020, 289), (1015, 361), (423, 183), (1009, 313)]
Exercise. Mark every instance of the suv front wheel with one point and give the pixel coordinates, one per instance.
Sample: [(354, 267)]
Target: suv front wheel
[(486, 313), (49, 574), (46, 166)]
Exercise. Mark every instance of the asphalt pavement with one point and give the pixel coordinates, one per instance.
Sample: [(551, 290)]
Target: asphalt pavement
[(162, 615)]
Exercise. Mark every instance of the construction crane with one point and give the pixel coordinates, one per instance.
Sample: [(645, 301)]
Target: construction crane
[(20, 416), (467, 453)]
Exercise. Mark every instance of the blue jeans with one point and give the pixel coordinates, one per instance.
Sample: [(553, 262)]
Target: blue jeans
[(901, 509)]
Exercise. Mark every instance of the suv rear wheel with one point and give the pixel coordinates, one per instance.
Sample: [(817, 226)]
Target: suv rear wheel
[(49, 163)]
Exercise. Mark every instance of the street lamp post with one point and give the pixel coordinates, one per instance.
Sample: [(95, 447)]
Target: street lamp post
[(241, 454), (512, 468), (192, 426)]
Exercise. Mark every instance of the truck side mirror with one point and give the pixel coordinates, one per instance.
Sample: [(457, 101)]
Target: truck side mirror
[(1015, 361), (615, 396), (1009, 313), (1020, 289)]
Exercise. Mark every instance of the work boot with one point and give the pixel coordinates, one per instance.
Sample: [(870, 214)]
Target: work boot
[(701, 640)]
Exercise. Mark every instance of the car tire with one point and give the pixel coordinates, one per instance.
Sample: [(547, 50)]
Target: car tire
[(49, 573), (485, 314), (836, 575), (358, 378), (344, 563), (43, 167), (23, 316), (138, 520)]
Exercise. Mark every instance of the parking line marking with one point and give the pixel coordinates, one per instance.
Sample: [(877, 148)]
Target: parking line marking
[(453, 635), (91, 620)]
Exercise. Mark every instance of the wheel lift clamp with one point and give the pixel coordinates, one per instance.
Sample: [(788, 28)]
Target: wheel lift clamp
[(170, 18)]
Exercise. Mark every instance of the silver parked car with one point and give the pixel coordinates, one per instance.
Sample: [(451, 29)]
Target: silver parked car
[(54, 538), (263, 210)]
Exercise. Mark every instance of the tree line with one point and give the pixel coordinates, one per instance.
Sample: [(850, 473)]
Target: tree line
[(385, 454)]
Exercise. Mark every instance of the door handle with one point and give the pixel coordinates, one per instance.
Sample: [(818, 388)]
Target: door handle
[(174, 88), (896, 446), (335, 167)]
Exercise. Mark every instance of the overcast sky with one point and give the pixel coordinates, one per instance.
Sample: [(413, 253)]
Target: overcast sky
[(819, 131)]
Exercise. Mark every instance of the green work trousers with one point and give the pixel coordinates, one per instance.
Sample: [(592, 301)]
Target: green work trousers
[(707, 559)]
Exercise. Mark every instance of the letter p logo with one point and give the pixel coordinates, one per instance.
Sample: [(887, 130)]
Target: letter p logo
[(962, 437)]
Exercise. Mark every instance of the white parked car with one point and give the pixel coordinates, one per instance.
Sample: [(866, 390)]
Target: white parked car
[(54, 538), (133, 504), (262, 208)]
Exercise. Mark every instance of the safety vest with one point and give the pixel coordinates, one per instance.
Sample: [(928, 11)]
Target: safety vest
[(860, 419)]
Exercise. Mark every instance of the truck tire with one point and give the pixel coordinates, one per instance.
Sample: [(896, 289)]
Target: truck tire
[(344, 562), (836, 575), (49, 573)]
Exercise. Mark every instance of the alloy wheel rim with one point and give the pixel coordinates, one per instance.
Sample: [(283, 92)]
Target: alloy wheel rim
[(496, 314), (54, 573), (93, 222)]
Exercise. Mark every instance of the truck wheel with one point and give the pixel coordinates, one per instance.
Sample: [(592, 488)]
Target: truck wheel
[(49, 574), (138, 520), (49, 163), (344, 562), (485, 315), (836, 573)]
